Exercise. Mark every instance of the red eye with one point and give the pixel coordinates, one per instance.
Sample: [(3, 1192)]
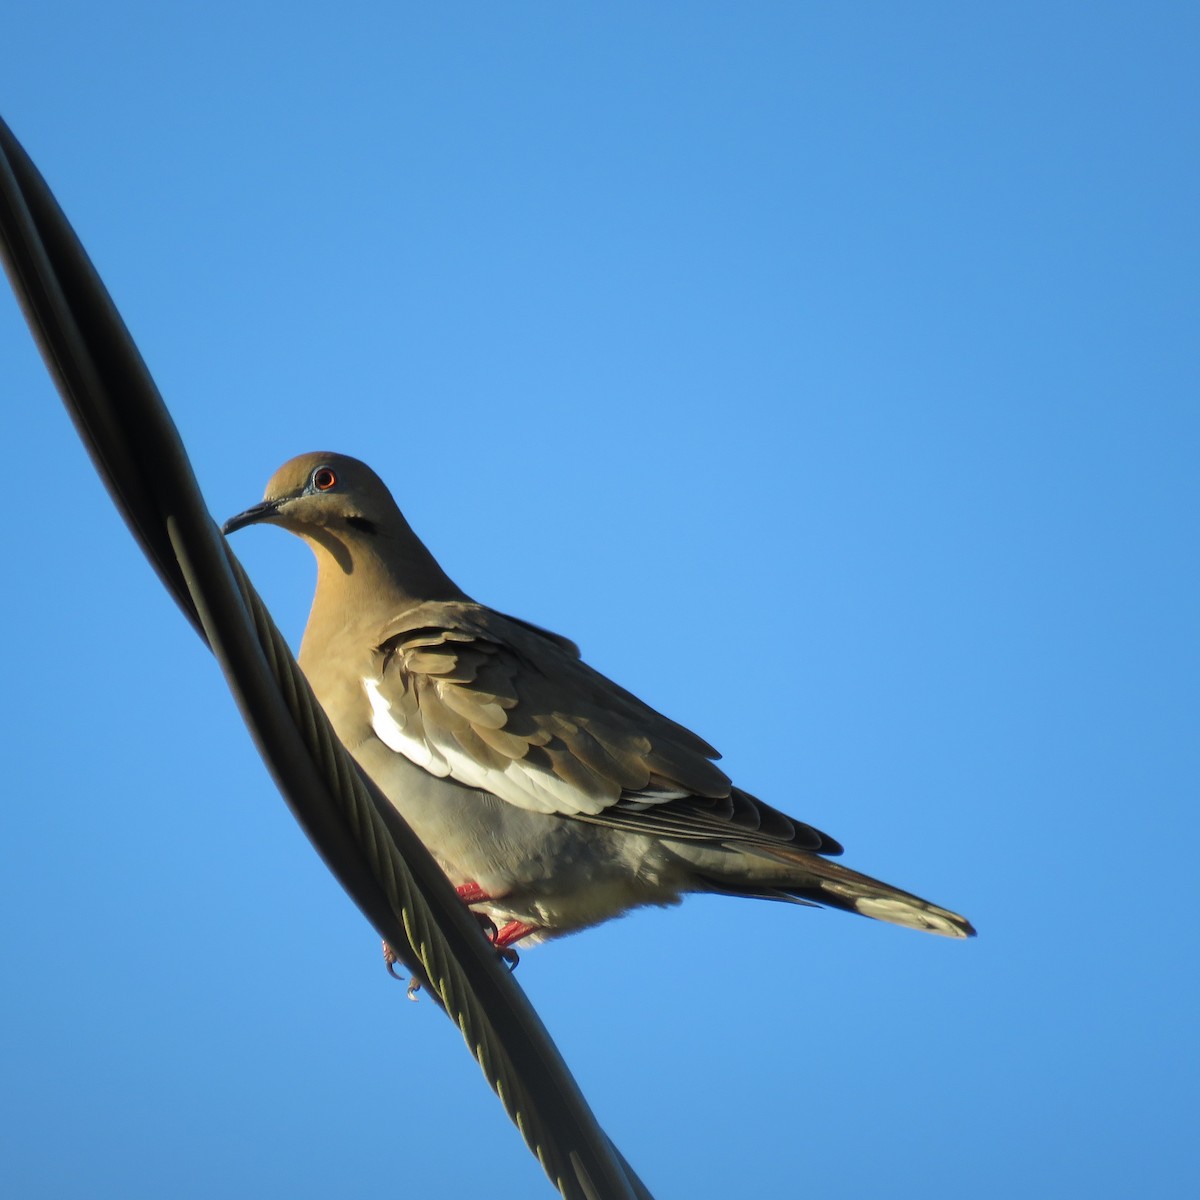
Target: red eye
[(323, 479)]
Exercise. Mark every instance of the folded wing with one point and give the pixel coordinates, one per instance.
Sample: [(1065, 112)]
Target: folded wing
[(506, 707)]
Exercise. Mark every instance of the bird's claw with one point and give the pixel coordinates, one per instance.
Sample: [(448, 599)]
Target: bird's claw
[(501, 939), (390, 959), (507, 954)]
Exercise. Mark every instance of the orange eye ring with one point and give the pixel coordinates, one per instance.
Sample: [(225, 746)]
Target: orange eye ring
[(323, 479)]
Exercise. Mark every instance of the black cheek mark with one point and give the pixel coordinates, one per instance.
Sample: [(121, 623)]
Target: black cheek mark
[(361, 523)]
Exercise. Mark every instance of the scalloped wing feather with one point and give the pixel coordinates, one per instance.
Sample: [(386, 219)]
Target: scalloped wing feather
[(505, 707)]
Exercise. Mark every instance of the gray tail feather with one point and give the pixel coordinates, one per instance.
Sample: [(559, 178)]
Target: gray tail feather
[(813, 880)]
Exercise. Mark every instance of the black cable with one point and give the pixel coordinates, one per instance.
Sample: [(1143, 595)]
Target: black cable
[(385, 869)]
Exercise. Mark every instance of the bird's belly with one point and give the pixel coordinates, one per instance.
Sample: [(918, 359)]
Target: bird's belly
[(554, 872)]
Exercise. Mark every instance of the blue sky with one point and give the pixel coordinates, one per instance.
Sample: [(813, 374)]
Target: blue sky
[(829, 374)]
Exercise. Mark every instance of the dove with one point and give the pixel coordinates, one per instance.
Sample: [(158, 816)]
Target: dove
[(551, 797)]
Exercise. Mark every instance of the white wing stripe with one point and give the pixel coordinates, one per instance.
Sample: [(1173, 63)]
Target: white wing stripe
[(520, 784), (393, 734)]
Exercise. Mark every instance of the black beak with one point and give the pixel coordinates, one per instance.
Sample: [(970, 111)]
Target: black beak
[(260, 512)]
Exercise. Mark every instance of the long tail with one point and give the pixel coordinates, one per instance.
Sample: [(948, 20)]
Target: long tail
[(811, 879)]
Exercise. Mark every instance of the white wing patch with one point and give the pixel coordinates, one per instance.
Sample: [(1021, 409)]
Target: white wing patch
[(519, 783), (391, 732)]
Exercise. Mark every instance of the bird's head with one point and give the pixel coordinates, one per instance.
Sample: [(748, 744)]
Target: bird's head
[(343, 510), (319, 492)]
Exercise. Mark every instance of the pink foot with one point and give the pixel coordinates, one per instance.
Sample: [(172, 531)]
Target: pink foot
[(503, 941), (514, 931), (471, 893)]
